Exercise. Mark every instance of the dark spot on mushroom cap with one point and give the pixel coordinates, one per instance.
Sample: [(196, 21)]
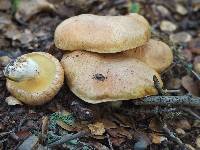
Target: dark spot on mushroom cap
[(99, 77)]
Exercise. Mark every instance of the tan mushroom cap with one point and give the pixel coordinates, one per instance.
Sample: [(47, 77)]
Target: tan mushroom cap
[(45, 86), (154, 53), (97, 78), (102, 34)]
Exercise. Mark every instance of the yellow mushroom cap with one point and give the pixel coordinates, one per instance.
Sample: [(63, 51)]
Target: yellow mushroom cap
[(154, 53), (102, 34), (43, 87), (97, 78)]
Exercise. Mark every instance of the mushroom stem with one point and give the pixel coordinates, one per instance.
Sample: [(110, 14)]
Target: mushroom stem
[(23, 68)]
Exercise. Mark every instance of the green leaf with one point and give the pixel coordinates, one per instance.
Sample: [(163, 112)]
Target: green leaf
[(14, 5), (135, 7)]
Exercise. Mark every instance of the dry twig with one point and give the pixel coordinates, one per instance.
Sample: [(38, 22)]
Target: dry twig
[(186, 100), (67, 138), (188, 110)]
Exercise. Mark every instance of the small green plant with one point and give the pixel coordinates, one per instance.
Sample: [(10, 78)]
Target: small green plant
[(135, 7), (14, 5)]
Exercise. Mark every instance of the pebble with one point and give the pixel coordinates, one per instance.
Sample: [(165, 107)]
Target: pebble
[(180, 131), (180, 37), (4, 60), (198, 142), (167, 26), (197, 67), (10, 100), (181, 9), (163, 10)]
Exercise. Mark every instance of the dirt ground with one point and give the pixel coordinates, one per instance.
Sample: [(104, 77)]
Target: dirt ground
[(29, 25)]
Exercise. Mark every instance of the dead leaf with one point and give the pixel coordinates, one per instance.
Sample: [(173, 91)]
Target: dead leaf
[(45, 123), (28, 8), (98, 137), (30, 143), (65, 126), (155, 125), (174, 83), (183, 124), (122, 120), (97, 128), (156, 138), (120, 132), (197, 64), (117, 141), (189, 84), (98, 146), (10, 100), (23, 134), (108, 124)]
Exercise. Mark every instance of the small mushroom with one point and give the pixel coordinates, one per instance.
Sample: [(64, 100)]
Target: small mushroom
[(34, 78), (154, 53), (97, 78), (102, 34)]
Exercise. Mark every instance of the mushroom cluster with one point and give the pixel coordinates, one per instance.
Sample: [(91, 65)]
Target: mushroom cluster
[(111, 58), (108, 58)]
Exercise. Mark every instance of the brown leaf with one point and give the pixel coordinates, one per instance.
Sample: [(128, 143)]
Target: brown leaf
[(23, 134), (122, 120), (155, 125), (156, 138), (120, 132), (183, 124), (65, 126), (108, 124), (97, 128), (189, 84), (117, 141), (174, 83), (45, 123)]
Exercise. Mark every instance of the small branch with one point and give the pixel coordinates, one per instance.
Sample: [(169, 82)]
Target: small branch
[(158, 86), (195, 74), (173, 137), (188, 110), (172, 91), (109, 142), (144, 110), (67, 138), (186, 100)]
